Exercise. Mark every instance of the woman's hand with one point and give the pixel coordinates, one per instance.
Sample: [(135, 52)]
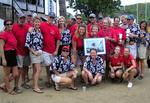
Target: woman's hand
[(4, 63)]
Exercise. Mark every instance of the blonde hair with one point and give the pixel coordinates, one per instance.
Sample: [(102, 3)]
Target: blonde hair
[(77, 31), (36, 18)]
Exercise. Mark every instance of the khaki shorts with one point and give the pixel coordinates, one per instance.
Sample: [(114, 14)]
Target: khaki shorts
[(35, 59), (23, 61)]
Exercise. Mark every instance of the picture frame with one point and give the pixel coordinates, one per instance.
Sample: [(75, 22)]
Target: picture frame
[(97, 43)]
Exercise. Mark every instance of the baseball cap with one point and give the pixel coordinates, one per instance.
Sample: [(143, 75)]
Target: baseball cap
[(29, 13), (92, 15), (51, 14), (130, 17), (65, 48)]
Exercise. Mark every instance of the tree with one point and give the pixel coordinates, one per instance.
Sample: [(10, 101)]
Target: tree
[(62, 8), (103, 7)]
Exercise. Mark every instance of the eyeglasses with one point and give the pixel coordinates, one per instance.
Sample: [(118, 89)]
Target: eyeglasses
[(65, 50), (51, 17)]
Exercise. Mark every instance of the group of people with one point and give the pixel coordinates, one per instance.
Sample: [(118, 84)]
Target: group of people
[(59, 47)]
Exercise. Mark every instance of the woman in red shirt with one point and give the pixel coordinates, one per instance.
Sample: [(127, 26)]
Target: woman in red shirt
[(77, 44), (116, 65), (8, 45), (130, 70)]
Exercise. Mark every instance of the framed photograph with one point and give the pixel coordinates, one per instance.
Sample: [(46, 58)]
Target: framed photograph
[(97, 43)]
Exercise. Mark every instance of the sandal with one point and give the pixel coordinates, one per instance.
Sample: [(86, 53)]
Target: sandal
[(12, 92), (38, 91), (3, 88)]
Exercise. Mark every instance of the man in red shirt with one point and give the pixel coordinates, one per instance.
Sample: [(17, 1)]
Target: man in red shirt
[(29, 20), (75, 26), (92, 19), (51, 40), (120, 34), (130, 67), (20, 30)]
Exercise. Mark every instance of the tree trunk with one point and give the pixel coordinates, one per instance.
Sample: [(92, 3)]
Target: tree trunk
[(62, 8)]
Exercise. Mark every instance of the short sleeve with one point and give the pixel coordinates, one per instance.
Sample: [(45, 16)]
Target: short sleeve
[(3, 36), (28, 40)]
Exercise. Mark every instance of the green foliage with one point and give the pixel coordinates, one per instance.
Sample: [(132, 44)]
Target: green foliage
[(141, 11), (103, 7)]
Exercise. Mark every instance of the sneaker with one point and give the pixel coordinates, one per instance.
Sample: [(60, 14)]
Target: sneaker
[(130, 84), (26, 86)]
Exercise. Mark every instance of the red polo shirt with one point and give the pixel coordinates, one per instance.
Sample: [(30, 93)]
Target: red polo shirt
[(116, 61), (10, 40), (20, 33), (79, 42), (127, 61), (50, 34)]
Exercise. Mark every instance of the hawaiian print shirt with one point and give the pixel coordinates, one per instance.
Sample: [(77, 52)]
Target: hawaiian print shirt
[(34, 40), (135, 30), (94, 68), (61, 66), (66, 37)]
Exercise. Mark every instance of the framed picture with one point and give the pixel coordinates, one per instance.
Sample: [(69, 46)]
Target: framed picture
[(97, 43)]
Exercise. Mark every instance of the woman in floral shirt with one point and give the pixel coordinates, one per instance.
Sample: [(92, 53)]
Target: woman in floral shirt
[(34, 42), (93, 68), (65, 34)]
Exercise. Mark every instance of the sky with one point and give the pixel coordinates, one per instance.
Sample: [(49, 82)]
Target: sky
[(130, 2)]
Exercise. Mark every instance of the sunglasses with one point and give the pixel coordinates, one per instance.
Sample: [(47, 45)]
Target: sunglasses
[(65, 50), (8, 24)]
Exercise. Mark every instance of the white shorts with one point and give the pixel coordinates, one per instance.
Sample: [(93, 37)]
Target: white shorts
[(56, 78), (47, 58)]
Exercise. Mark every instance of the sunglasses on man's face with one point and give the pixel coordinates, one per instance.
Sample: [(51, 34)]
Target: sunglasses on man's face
[(65, 50)]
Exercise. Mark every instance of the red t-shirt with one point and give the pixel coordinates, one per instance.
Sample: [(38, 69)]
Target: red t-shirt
[(127, 61), (10, 40), (50, 34), (79, 42), (116, 61), (111, 34), (20, 33)]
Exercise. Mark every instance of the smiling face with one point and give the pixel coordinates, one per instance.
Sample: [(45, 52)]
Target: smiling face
[(93, 54), (8, 25), (126, 52), (116, 22), (95, 30), (37, 23), (117, 50), (81, 31)]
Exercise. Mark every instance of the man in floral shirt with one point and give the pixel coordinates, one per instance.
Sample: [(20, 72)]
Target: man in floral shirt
[(93, 68), (64, 72)]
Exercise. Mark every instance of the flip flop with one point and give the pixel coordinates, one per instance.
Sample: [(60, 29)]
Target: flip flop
[(73, 88), (38, 91)]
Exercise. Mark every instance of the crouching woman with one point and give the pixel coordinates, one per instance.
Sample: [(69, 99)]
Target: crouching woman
[(64, 72), (93, 68)]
